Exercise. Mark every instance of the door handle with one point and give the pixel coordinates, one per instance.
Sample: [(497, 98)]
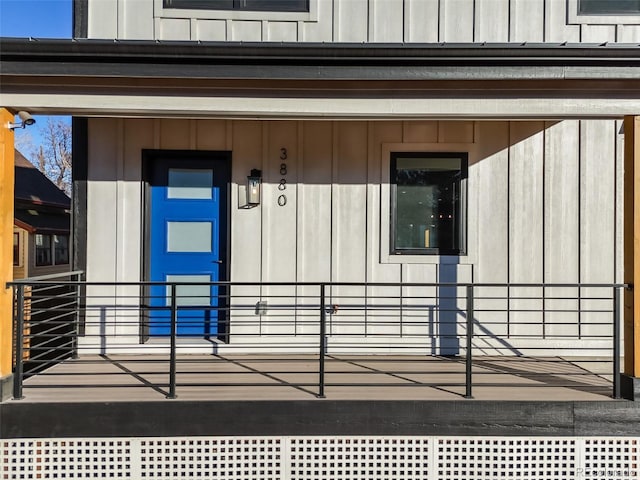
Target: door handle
[(217, 261)]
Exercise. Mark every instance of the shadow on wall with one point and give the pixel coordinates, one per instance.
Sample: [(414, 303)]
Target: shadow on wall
[(341, 152), (329, 228), (448, 311)]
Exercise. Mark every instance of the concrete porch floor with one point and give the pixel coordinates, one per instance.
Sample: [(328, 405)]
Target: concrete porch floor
[(126, 378)]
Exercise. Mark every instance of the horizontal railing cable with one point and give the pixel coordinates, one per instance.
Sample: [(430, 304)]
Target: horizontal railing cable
[(63, 319)]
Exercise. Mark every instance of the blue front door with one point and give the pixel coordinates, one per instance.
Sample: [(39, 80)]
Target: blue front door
[(187, 231)]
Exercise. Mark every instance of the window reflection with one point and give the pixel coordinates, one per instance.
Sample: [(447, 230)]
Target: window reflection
[(428, 198), (51, 249)]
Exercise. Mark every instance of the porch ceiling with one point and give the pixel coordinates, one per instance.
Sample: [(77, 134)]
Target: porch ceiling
[(238, 80)]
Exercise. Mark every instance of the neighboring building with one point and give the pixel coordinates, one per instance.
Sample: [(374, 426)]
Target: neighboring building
[(42, 223), (394, 146)]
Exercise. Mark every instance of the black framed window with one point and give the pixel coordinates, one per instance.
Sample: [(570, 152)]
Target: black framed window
[(61, 249), (52, 250), (16, 248), (428, 203), (43, 250), (249, 5), (608, 7)]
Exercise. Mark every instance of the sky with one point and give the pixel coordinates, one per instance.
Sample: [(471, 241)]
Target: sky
[(37, 19)]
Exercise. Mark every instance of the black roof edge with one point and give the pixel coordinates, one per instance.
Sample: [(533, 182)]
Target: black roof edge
[(155, 51)]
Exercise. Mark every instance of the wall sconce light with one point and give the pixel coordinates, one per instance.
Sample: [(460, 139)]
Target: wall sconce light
[(26, 120), (253, 188)]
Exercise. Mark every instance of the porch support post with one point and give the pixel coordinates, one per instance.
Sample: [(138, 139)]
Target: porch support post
[(6, 251), (630, 381)]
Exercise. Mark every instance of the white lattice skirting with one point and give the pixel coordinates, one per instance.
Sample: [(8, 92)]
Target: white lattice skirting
[(311, 458)]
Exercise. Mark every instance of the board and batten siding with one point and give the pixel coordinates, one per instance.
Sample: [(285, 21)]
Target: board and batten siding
[(386, 21), (544, 205)]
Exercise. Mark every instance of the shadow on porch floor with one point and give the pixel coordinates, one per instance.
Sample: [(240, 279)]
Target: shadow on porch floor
[(113, 378)]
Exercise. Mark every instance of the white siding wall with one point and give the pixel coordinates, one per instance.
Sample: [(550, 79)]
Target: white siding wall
[(362, 21), (544, 198), (542, 206)]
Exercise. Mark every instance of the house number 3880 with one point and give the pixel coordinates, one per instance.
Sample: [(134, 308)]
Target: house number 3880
[(282, 186)]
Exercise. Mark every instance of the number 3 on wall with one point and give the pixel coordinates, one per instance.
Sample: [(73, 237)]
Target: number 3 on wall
[(282, 199)]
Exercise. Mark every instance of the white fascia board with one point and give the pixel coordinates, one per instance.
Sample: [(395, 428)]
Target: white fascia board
[(318, 108)]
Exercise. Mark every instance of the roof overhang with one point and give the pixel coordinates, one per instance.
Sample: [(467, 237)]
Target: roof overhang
[(41, 221), (274, 80), (23, 226)]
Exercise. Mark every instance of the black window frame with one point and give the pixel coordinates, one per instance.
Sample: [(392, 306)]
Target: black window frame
[(604, 7), (45, 248), (51, 248), (241, 5), (60, 259), (17, 257), (462, 204)]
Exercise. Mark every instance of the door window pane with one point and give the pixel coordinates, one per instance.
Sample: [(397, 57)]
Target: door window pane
[(189, 236), (190, 183), (428, 200), (190, 295)]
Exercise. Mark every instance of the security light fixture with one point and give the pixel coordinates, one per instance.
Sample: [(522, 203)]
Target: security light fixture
[(25, 120), (253, 188)]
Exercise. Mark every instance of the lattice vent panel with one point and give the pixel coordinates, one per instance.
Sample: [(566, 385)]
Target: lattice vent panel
[(65, 459), (351, 458), (311, 458), (221, 458), (611, 458), (522, 458)]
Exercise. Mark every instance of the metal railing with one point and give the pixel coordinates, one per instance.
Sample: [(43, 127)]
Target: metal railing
[(57, 320), (46, 315)]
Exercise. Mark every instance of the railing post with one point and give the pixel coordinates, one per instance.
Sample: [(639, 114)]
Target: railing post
[(469, 362), (172, 353), (323, 330), (76, 321), (19, 326), (616, 342)]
